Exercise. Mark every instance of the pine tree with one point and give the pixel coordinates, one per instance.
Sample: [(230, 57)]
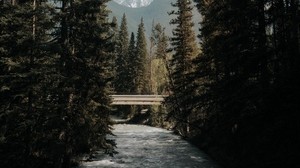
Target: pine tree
[(184, 50), (231, 63), (141, 61), (114, 40), (121, 83), (85, 58), (24, 70), (131, 67), (115, 27), (239, 77), (54, 82)]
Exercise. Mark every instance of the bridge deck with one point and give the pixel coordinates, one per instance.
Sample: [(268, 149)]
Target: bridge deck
[(137, 99)]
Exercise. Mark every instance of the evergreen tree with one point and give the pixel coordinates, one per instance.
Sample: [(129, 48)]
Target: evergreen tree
[(184, 50), (240, 79), (85, 63), (114, 40), (131, 67), (24, 71), (141, 62), (121, 83), (122, 79), (54, 82), (115, 28)]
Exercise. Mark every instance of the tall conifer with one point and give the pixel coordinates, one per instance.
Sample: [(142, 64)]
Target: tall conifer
[(184, 50), (114, 40), (24, 69), (242, 72), (131, 66), (121, 83), (141, 61), (85, 57), (54, 78)]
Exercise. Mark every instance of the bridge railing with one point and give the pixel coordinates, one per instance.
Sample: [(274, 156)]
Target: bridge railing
[(138, 99)]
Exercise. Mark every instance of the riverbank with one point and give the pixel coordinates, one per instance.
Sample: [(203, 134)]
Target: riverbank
[(257, 142)]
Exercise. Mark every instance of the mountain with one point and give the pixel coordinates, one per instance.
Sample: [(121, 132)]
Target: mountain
[(134, 3), (156, 11)]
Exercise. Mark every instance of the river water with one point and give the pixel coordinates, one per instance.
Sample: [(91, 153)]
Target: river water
[(148, 147)]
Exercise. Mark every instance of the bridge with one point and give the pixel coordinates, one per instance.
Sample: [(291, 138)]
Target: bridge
[(138, 99)]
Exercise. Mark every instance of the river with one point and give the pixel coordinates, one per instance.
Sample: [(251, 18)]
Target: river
[(148, 147)]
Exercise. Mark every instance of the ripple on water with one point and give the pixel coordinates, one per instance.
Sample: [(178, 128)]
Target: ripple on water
[(144, 146)]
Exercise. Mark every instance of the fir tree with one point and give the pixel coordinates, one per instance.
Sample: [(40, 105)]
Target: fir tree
[(122, 80), (141, 61), (114, 40), (131, 67), (115, 27), (85, 58), (184, 50), (121, 83), (54, 82), (241, 74), (24, 71)]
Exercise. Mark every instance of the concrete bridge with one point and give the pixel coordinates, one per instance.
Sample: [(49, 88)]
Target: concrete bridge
[(138, 99)]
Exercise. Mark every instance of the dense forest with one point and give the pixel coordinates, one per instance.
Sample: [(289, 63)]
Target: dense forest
[(55, 80), (241, 102), (232, 89)]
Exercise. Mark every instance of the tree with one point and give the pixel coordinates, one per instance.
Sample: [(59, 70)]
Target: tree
[(121, 83), (114, 40), (54, 82), (25, 58), (131, 66), (85, 63), (184, 50), (141, 62), (159, 75), (240, 88), (161, 41), (159, 60)]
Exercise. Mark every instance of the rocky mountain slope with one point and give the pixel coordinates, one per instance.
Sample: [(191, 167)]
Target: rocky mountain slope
[(134, 3)]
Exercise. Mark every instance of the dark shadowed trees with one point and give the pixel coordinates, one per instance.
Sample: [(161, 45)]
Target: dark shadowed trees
[(184, 49), (245, 80), (54, 81)]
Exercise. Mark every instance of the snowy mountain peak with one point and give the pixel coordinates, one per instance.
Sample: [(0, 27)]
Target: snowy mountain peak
[(134, 3)]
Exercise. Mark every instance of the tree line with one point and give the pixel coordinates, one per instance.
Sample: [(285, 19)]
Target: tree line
[(131, 59), (139, 62)]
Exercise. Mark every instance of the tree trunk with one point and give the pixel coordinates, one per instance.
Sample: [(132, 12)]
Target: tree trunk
[(264, 77)]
